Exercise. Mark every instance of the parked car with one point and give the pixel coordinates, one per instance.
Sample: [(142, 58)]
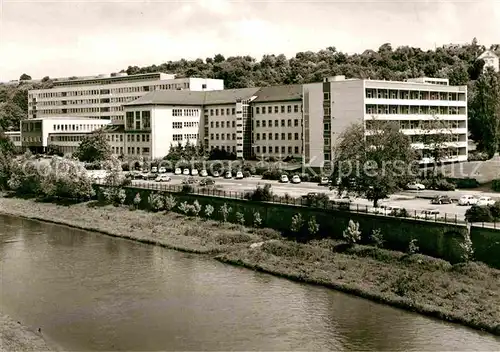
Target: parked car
[(154, 169), (324, 181), (483, 201), (194, 172), (467, 200), (284, 179), (239, 175), (296, 179), (415, 186), (441, 200), (188, 180), (310, 195), (163, 178), (150, 176), (228, 174), (428, 214), (215, 174), (162, 170), (203, 173), (207, 182), (178, 171), (185, 172)]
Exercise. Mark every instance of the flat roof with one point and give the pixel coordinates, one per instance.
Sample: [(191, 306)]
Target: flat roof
[(279, 93), (110, 79), (67, 118)]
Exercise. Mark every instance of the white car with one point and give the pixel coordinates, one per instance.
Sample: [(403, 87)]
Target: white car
[(284, 179), (215, 174), (163, 178), (194, 172), (228, 175), (415, 186), (185, 172), (324, 181), (203, 173), (239, 175), (178, 171), (467, 200), (296, 179), (428, 214), (162, 170), (485, 201)]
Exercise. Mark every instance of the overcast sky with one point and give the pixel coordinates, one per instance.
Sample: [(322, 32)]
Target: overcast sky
[(60, 38)]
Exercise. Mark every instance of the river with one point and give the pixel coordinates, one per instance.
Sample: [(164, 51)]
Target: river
[(92, 292)]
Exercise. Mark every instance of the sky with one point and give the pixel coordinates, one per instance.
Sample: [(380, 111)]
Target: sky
[(61, 38)]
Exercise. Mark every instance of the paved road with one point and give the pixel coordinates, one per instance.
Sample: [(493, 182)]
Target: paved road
[(410, 200)]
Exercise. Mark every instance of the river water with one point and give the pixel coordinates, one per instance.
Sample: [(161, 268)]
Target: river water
[(91, 292)]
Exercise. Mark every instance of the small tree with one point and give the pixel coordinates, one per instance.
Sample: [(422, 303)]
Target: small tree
[(297, 223), (240, 218), (224, 212), (312, 226), (467, 248), (169, 202), (137, 200), (184, 208), (352, 234), (122, 196), (257, 220), (93, 147), (377, 238), (196, 208), (209, 210), (155, 202), (413, 247)]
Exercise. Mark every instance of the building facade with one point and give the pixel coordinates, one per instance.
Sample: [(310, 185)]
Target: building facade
[(103, 97), (15, 137), (37, 134), (490, 60), (331, 106)]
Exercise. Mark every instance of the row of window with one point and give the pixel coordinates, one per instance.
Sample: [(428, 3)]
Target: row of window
[(186, 124), (114, 138), (259, 123), (223, 136), (138, 120), (73, 138), (15, 138), (223, 111), (277, 150), (185, 112), (137, 150), (420, 110), (77, 127), (222, 124), (180, 137), (277, 136), (138, 138), (424, 124), (277, 109), (117, 150), (412, 94), (32, 139), (222, 147)]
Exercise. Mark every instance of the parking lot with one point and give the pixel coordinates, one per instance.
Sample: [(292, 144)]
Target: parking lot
[(412, 201)]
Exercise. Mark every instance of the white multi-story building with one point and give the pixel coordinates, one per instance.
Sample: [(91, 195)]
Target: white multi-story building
[(37, 134), (490, 60), (331, 106), (15, 137), (103, 97)]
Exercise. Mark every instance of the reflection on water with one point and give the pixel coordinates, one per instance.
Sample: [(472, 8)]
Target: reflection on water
[(92, 292)]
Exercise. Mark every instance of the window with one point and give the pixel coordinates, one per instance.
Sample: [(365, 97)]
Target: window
[(327, 156), (233, 111), (176, 125), (130, 120), (282, 136), (326, 111), (289, 123), (282, 123), (326, 127), (263, 123), (257, 110), (228, 136), (146, 119), (145, 150), (228, 111), (211, 124), (276, 149), (326, 95), (257, 136), (276, 109), (282, 109), (234, 136), (212, 136), (269, 109), (222, 112), (177, 137), (234, 124), (296, 136), (217, 124), (289, 136), (216, 112), (289, 108), (257, 123), (263, 109), (296, 150), (289, 150), (257, 149), (222, 136), (271, 136), (296, 122), (211, 112), (295, 108), (222, 124), (263, 136), (217, 136)]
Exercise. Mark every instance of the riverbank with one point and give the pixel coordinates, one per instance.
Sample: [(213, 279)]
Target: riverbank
[(16, 337), (464, 293)]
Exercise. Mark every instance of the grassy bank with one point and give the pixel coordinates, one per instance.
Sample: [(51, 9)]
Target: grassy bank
[(16, 337), (464, 293)]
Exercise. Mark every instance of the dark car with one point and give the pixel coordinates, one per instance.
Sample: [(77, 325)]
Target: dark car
[(441, 200), (207, 182)]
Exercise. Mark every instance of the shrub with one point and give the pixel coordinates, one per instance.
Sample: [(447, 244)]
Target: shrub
[(318, 200), (444, 185), (312, 226), (137, 200), (352, 234), (478, 214), (495, 185), (495, 210), (467, 248), (169, 202), (257, 220), (305, 178), (477, 156), (155, 201), (297, 223), (246, 174), (273, 174), (196, 208), (209, 210), (377, 238), (240, 218), (126, 182), (225, 211), (400, 213), (413, 246), (121, 196), (465, 182), (187, 189), (260, 194), (184, 208)]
